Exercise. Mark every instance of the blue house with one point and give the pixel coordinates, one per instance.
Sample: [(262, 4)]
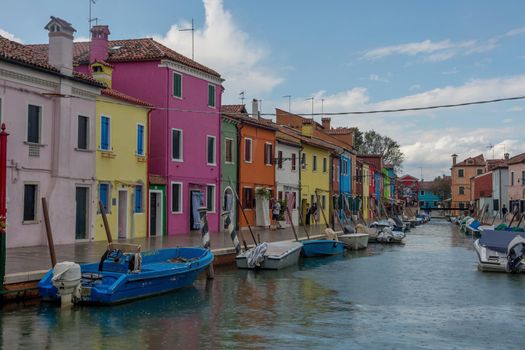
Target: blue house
[(345, 179), (427, 198)]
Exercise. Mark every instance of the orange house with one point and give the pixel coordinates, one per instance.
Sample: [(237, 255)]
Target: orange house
[(257, 138)]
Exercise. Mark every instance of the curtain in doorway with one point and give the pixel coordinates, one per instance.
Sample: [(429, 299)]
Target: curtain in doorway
[(197, 201)]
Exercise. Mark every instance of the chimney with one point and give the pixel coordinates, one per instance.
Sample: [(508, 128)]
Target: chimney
[(507, 156), (60, 52), (454, 159), (326, 123), (98, 49), (255, 109)]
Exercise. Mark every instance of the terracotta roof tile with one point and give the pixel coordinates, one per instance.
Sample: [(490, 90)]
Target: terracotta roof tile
[(233, 109), (121, 96), (473, 161), (517, 159), (131, 50)]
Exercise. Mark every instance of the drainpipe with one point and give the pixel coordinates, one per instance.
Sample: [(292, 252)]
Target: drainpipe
[(148, 234), (168, 152), (300, 186), (238, 182)]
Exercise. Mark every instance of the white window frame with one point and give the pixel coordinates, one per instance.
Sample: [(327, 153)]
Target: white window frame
[(37, 196), (109, 134), (143, 141), (251, 150), (225, 148), (181, 159), (214, 197), (208, 137), (271, 155), (173, 87), (181, 210), (41, 142), (214, 96)]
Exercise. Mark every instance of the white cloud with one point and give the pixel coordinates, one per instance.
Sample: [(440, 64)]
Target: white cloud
[(223, 46), (375, 77), (438, 51), (81, 39), (9, 36)]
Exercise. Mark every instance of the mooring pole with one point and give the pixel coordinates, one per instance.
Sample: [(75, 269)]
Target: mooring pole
[(105, 221), (243, 213), (3, 205), (203, 213), (49, 233)]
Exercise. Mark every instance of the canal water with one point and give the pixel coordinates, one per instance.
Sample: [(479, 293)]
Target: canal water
[(426, 294)]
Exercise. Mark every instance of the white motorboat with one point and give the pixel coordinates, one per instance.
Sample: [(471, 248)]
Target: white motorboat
[(270, 256), (501, 251), (354, 241)]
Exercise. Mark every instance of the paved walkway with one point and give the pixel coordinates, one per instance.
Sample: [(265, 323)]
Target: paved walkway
[(27, 259)]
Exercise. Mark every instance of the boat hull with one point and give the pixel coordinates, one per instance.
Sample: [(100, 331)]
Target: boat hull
[(156, 277), (322, 247), (355, 241), (288, 258), (490, 260)]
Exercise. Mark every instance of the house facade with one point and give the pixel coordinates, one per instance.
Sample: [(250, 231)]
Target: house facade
[(287, 171), (460, 174), (50, 153), (410, 189), (185, 122), (500, 190), (426, 196), (481, 192), (366, 191), (516, 189)]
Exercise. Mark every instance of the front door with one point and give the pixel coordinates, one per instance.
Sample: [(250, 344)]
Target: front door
[(153, 214), (81, 220), (197, 201), (122, 214)]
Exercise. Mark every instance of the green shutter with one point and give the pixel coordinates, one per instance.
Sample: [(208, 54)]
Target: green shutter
[(211, 95), (177, 85)]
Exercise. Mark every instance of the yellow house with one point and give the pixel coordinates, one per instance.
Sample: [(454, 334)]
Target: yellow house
[(366, 190), (121, 161)]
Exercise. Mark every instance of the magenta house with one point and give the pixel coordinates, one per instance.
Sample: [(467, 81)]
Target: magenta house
[(184, 125)]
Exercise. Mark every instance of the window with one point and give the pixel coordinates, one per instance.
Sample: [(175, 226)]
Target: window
[(177, 85), (294, 161), (512, 178), (421, 204), (280, 159), (495, 204), (248, 150), (176, 144), (211, 150), (303, 161), (480, 171), (228, 150), (211, 95), (461, 190), (140, 140), (323, 202), (210, 198), (422, 193), (34, 117), (324, 165), (523, 178), (280, 195), (461, 205), (314, 163), (176, 197), (294, 203), (461, 173), (104, 196), (83, 132), (30, 201), (138, 199), (248, 198), (268, 154), (105, 132)]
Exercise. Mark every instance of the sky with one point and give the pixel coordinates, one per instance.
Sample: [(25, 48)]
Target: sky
[(354, 55)]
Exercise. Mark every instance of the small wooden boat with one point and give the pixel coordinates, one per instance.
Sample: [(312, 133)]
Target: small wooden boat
[(270, 256), (322, 247), (124, 273), (355, 241)]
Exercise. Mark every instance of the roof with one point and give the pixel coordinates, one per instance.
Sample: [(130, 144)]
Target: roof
[(426, 185), (475, 161), (239, 113), (25, 55), (121, 96), (288, 138), (408, 177), (130, 50), (520, 158), (233, 109)]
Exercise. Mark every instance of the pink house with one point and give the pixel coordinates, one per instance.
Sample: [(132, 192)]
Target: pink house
[(517, 183), (49, 111), (184, 125)]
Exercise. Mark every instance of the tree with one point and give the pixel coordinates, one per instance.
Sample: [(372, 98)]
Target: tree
[(441, 187), (372, 142)]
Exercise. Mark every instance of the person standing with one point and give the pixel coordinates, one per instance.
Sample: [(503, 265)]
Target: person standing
[(276, 211), (504, 211), (307, 220)]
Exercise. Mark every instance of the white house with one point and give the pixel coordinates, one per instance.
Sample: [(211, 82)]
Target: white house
[(287, 171), (500, 191)]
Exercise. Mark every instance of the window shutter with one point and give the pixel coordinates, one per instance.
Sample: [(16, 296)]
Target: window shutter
[(138, 199), (211, 95), (177, 85), (33, 124), (140, 139), (104, 141)]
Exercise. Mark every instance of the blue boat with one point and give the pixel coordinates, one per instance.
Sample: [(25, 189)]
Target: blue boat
[(322, 247), (124, 273)]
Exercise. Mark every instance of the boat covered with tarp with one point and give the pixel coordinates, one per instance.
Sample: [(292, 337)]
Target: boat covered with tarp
[(501, 251), (125, 273)]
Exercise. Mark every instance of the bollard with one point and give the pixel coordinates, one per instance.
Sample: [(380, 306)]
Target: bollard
[(203, 212)]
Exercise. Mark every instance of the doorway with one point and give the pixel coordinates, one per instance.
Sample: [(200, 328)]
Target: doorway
[(155, 213), (81, 213), (122, 220), (197, 201)]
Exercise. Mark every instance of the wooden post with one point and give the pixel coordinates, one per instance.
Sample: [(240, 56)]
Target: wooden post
[(49, 233), (3, 205), (203, 213), (243, 213), (322, 211), (105, 220)]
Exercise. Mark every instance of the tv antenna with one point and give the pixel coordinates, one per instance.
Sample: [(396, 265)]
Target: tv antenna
[(491, 147), (311, 98), (322, 107), (289, 97), (91, 19), (192, 29)]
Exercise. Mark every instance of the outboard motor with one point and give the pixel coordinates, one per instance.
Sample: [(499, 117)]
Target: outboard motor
[(66, 278), (515, 253)]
